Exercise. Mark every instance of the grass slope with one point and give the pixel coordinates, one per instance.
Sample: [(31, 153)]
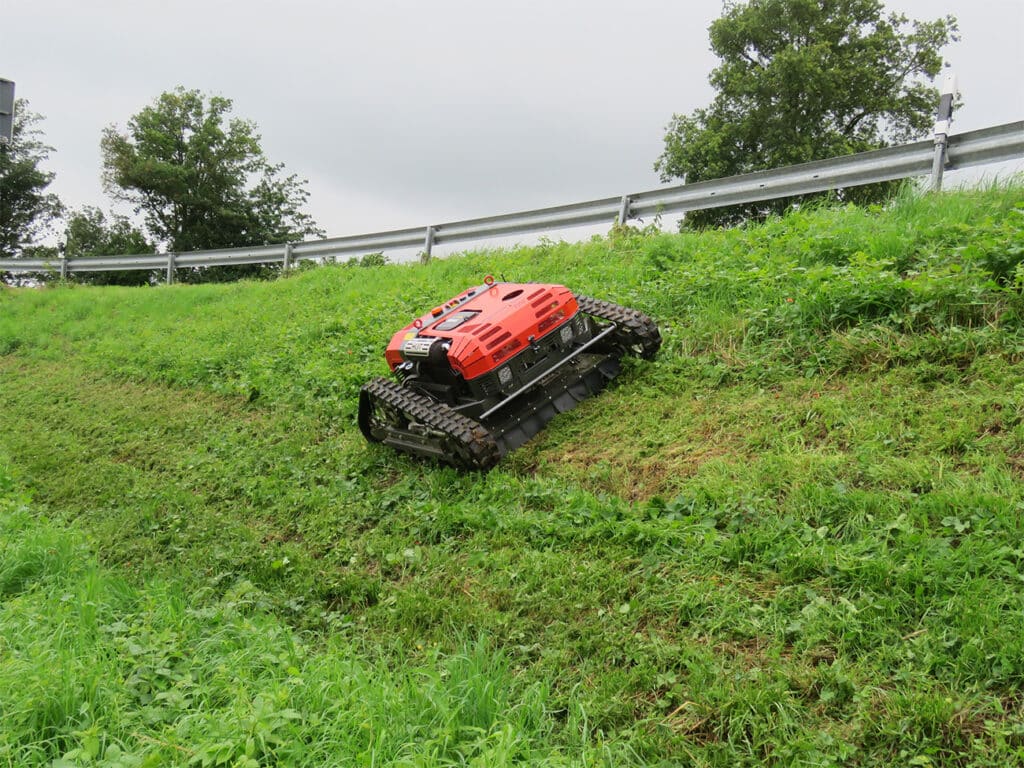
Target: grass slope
[(794, 538)]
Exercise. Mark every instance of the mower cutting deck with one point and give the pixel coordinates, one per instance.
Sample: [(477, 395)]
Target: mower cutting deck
[(483, 373)]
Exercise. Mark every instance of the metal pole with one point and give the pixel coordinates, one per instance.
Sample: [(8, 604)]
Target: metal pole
[(938, 162), (683, 217), (6, 111), (624, 211), (428, 245), (943, 117), (170, 268), (62, 249)]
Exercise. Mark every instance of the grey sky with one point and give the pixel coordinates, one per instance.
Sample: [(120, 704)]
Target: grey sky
[(404, 113)]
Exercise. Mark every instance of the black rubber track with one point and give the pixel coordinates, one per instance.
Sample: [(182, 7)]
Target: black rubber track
[(466, 442), (637, 334)]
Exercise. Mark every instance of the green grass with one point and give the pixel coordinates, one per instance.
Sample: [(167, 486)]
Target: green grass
[(795, 538), (97, 672)]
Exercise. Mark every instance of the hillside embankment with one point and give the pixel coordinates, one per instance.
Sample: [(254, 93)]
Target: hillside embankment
[(793, 538)]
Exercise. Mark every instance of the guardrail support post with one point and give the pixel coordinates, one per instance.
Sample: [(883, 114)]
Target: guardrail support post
[(624, 211), (428, 246), (287, 257), (943, 118), (939, 162), (682, 216), (63, 268), (170, 268)]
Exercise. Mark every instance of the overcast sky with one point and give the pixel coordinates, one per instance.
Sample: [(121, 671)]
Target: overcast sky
[(405, 113)]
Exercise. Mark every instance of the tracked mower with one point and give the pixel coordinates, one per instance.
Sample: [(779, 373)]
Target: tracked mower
[(484, 372)]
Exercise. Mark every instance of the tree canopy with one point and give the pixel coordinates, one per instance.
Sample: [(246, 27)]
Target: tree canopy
[(803, 80), (90, 233), (27, 210), (200, 178)]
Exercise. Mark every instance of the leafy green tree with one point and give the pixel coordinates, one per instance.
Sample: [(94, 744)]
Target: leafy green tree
[(27, 210), (200, 179), (803, 80), (89, 233)]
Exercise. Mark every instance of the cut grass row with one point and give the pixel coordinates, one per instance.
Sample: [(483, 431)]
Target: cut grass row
[(97, 671)]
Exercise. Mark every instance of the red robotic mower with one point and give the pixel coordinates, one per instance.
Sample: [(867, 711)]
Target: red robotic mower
[(479, 375)]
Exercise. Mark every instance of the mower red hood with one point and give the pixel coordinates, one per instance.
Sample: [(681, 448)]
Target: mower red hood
[(489, 323)]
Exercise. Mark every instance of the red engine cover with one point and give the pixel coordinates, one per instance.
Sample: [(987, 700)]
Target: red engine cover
[(489, 323)]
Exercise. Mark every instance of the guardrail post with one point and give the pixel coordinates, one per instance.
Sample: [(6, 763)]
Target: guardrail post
[(170, 268), (428, 245), (63, 268), (624, 210), (943, 118), (287, 257), (682, 216)]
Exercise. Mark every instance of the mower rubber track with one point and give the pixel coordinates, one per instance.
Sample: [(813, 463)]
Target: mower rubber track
[(471, 445), (636, 334)]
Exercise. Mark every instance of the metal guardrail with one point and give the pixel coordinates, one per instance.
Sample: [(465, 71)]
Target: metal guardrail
[(988, 145)]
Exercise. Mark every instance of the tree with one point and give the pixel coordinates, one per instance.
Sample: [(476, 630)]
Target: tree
[(200, 179), (88, 233), (27, 210), (803, 80)]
